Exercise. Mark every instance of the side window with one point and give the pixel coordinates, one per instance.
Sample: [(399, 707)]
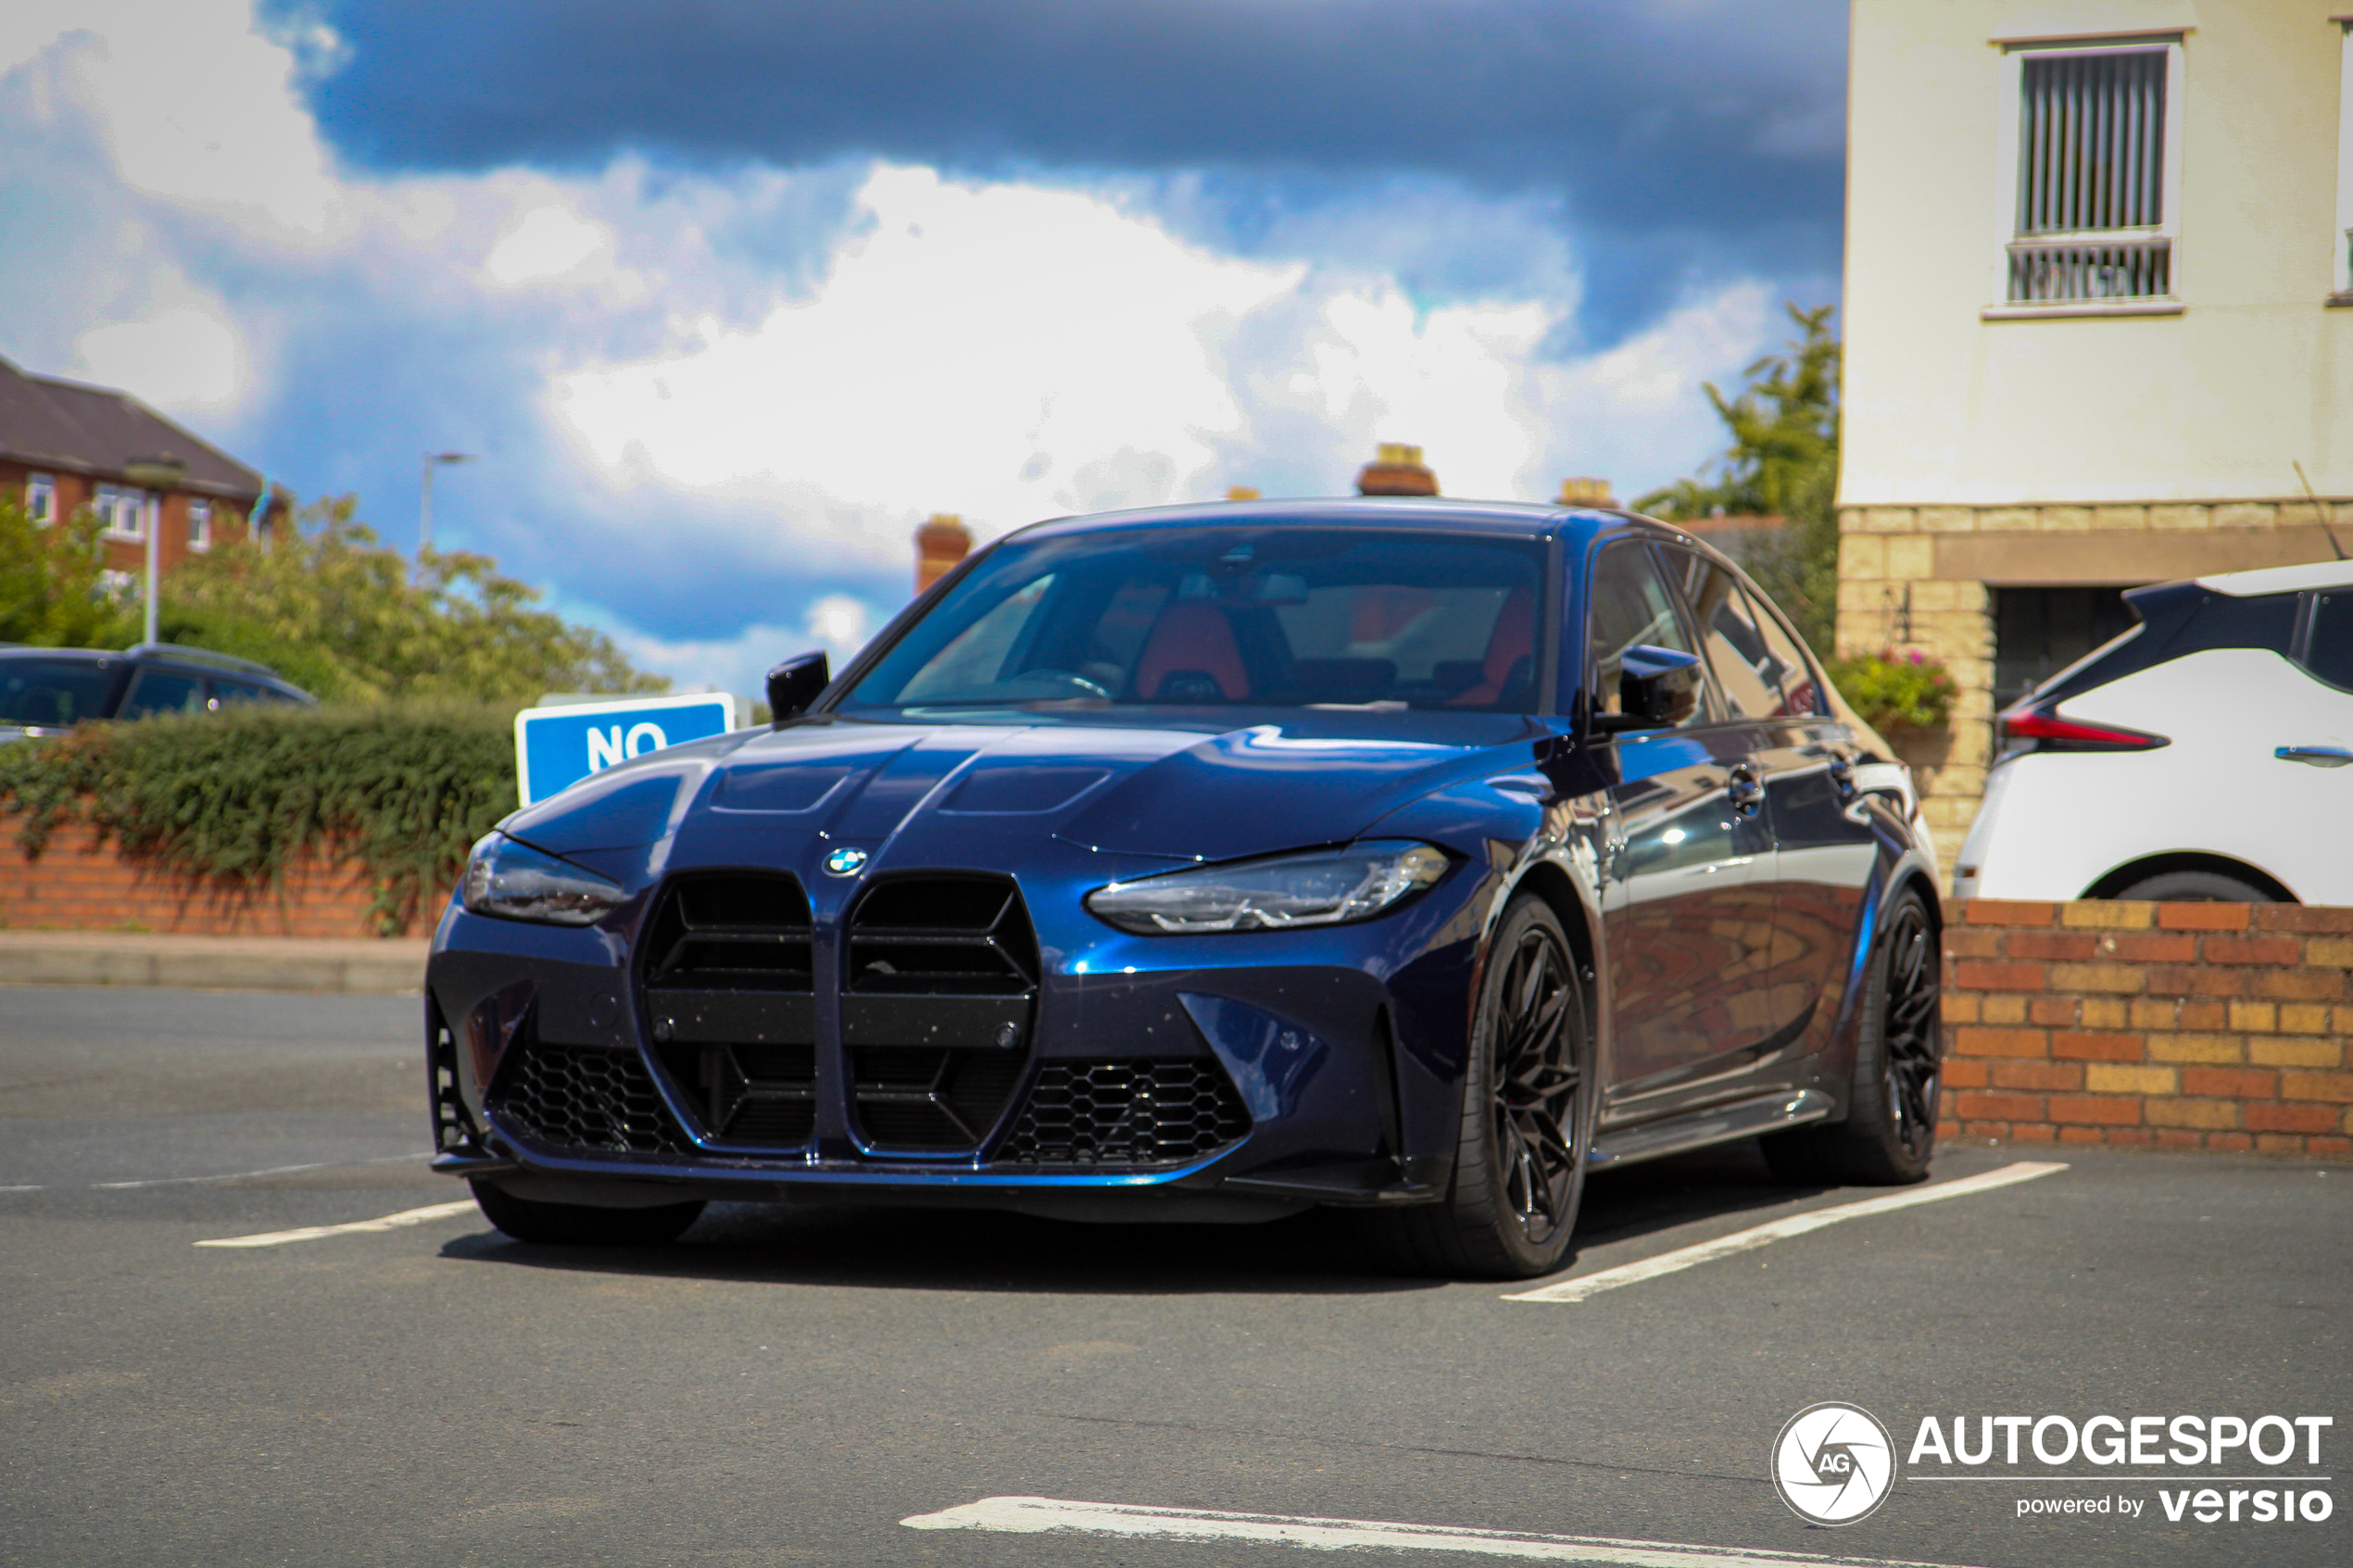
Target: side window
[(1746, 670), (2329, 654), (230, 694), (1791, 669), (973, 667), (1629, 607), (2225, 621), (162, 690)]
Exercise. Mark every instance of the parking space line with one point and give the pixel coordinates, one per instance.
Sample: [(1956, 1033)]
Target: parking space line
[(265, 1171), (1778, 1230), (1039, 1515), (357, 1227)]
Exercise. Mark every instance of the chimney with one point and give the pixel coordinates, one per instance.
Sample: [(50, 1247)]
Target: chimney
[(939, 545), (1241, 493), (1582, 492), (1397, 471)]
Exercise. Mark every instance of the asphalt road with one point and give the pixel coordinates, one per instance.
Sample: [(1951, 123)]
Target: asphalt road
[(786, 1386)]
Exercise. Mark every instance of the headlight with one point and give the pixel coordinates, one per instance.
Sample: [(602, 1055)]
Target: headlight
[(512, 881), (1324, 887)]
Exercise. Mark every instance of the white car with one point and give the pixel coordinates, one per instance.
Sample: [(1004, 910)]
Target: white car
[(2199, 756)]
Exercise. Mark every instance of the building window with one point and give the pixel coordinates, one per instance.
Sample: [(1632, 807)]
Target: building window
[(41, 498), (2093, 176), (199, 524), (2039, 631), (124, 512)]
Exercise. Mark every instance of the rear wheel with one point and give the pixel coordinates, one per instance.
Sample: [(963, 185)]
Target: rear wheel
[(580, 1224), (2197, 887), (1890, 1129), (1528, 1098)]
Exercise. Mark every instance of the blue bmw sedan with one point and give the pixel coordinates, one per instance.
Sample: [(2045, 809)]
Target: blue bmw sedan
[(1214, 862)]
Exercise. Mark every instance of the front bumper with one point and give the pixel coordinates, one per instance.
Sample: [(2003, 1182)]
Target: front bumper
[(1263, 1071)]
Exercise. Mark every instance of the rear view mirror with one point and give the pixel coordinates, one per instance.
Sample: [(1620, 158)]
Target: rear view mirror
[(1657, 689), (795, 684)]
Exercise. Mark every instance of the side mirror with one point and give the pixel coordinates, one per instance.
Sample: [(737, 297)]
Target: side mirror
[(1657, 688), (795, 684)]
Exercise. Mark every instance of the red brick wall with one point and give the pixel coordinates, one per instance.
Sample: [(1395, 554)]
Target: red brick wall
[(76, 491), (75, 885), (2165, 1025)]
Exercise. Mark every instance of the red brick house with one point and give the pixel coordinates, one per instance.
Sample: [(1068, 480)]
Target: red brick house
[(64, 446)]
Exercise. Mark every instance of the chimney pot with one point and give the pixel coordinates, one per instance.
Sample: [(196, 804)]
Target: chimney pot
[(1586, 492), (1398, 470), (1241, 493), (939, 545)]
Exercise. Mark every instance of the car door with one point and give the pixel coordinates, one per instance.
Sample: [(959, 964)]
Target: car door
[(1686, 902), (1823, 850), (2307, 783)]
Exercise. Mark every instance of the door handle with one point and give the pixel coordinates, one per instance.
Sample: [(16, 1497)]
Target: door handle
[(2316, 755), (1743, 790)]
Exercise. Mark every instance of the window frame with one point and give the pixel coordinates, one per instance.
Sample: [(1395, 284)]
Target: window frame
[(2341, 239), (41, 498), (2015, 53), (199, 524), (109, 501)]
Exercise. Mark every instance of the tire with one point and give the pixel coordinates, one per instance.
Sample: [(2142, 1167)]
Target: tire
[(2197, 887), (1529, 1094), (579, 1224), (1890, 1131)]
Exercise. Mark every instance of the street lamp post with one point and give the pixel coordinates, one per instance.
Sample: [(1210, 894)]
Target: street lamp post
[(153, 476), (424, 496)]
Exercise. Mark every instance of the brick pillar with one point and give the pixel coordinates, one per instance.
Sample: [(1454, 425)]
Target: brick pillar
[(1889, 600)]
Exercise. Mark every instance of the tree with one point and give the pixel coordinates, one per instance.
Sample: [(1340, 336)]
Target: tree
[(337, 612), (53, 589), (1783, 462)]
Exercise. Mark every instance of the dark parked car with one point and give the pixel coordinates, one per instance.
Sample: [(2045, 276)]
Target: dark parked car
[(48, 691), (1215, 862)]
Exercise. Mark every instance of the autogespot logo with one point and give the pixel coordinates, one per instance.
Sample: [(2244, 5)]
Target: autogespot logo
[(1834, 1463)]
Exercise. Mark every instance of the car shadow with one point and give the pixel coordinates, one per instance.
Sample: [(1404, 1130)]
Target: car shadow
[(1320, 1252)]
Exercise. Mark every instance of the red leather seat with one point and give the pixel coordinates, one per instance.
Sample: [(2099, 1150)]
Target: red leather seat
[(1192, 637), (1512, 639)]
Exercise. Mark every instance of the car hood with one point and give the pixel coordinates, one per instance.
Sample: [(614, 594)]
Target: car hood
[(1278, 780)]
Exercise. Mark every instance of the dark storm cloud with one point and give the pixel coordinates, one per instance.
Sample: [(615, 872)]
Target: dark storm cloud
[(1709, 128)]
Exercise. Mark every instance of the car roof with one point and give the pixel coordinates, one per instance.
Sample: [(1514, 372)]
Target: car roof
[(27, 650), (2281, 579), (1421, 513)]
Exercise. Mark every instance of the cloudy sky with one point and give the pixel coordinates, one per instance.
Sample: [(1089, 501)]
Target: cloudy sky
[(729, 295)]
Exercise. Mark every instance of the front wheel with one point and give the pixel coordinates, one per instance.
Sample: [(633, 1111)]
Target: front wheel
[(1527, 1104), (1890, 1129), (579, 1224)]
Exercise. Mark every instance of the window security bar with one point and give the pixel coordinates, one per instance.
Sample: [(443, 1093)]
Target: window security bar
[(2064, 269)]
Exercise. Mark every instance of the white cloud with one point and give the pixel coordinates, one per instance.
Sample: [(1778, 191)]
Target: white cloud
[(745, 389), (183, 357)]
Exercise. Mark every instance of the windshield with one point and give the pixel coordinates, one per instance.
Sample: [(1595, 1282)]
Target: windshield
[(1216, 617), (53, 693)]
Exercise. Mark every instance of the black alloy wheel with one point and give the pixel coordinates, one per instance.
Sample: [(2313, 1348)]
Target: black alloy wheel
[(1890, 1131), (1533, 1079), (1528, 1116)]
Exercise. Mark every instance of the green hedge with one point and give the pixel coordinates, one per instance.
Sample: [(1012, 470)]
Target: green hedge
[(229, 800)]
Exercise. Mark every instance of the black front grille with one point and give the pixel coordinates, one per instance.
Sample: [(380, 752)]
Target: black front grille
[(1134, 1112), (938, 1009), (729, 998), (568, 1098)]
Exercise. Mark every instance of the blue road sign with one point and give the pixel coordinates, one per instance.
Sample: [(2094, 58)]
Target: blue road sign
[(557, 747)]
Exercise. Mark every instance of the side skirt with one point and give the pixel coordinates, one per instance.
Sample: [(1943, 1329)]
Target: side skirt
[(1721, 1123)]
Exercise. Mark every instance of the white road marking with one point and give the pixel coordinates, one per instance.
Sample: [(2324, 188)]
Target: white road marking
[(1778, 1230), (1039, 1515), (265, 1171), (389, 1223), (20, 1189)]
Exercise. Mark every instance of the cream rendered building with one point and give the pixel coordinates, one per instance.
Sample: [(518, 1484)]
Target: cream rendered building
[(2097, 311)]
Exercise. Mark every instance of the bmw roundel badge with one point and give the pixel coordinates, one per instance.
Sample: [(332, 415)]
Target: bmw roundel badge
[(846, 861)]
